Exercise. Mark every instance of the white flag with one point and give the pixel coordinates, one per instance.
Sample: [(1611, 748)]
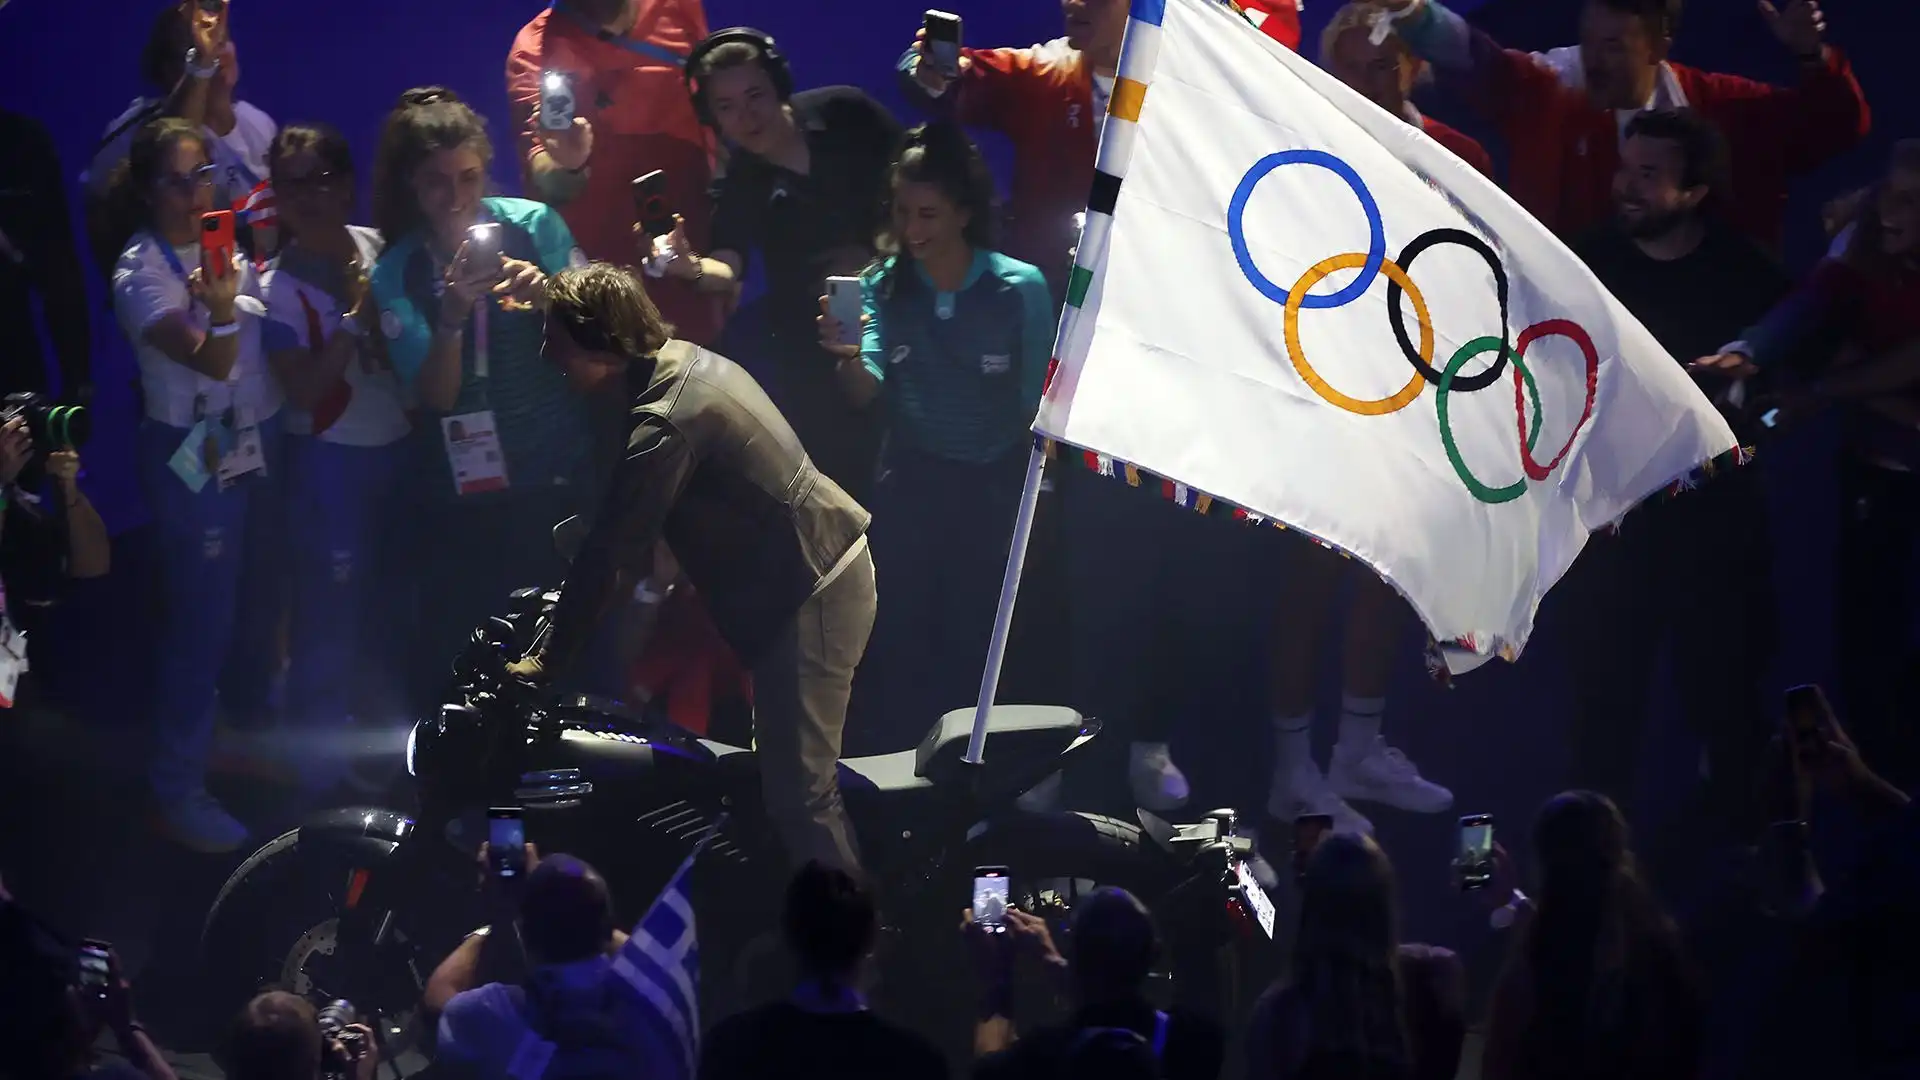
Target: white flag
[(1290, 301)]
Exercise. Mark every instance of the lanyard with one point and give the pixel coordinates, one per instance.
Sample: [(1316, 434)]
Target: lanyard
[(173, 260), (480, 363), (645, 48)]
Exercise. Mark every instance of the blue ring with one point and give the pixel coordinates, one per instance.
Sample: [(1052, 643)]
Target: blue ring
[(1377, 230)]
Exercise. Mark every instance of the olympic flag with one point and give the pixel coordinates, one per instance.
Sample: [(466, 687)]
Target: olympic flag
[(1288, 301)]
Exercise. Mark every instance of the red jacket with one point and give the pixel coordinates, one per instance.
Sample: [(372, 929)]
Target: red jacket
[(1464, 147), (1563, 150), (642, 120)]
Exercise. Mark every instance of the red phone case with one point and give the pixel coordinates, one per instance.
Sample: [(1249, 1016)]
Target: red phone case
[(217, 242)]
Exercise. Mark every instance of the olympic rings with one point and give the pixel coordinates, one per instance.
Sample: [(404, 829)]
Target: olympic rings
[(1425, 240), (1467, 352), (1376, 228), (1373, 263), (1299, 298), (1575, 333)]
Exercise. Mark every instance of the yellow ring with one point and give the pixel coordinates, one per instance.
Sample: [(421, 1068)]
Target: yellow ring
[(1377, 406)]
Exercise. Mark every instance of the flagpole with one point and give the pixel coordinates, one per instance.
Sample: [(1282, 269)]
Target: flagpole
[(1009, 590)]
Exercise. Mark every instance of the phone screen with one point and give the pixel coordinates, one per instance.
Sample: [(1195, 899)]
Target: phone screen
[(1476, 851), (650, 203), (95, 968), (1770, 418), (1259, 904), (991, 891), (556, 100), (506, 841)]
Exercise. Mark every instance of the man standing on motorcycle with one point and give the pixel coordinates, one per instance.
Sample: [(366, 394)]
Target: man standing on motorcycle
[(777, 550)]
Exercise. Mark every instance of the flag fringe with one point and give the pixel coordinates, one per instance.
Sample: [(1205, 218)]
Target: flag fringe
[(1213, 506)]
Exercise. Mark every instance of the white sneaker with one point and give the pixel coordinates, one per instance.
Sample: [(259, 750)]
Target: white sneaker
[(1158, 784), (1380, 773), (1301, 790), (198, 823)]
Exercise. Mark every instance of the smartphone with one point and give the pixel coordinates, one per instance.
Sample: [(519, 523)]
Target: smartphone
[(1307, 831), (217, 242), (1808, 717), (213, 7), (991, 890), (1770, 418), (843, 306), (650, 203), (483, 241), (1475, 860), (1257, 902), (556, 100), (506, 842), (96, 967), (943, 41)]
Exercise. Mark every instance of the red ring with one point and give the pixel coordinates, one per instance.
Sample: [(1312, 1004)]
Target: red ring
[(1573, 332)]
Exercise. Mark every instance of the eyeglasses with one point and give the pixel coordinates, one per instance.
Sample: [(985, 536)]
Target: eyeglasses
[(201, 177), (325, 180)]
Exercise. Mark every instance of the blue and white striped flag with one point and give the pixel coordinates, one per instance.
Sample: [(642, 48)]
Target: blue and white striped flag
[(660, 964)]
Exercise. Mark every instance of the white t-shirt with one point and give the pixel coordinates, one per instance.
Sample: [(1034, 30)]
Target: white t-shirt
[(365, 409), (146, 289), (241, 154)]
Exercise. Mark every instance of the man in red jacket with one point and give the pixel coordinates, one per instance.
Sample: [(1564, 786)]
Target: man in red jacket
[(1385, 71), (1565, 139), (624, 59), (1048, 100)]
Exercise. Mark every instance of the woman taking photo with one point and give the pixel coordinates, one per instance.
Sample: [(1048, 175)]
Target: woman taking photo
[(1356, 1004), (348, 426), (1597, 985), (956, 339), (503, 450), (208, 451)]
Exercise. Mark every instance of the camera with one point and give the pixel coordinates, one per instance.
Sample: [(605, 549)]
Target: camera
[(340, 1048), (53, 427)]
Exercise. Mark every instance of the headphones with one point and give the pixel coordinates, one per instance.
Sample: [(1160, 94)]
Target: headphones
[(771, 59)]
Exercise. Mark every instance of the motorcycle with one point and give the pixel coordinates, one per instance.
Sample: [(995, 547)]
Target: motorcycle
[(362, 903)]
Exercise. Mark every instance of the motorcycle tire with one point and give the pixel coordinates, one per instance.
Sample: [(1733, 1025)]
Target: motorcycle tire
[(277, 912)]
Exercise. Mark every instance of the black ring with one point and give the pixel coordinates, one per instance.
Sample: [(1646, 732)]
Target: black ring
[(1460, 384)]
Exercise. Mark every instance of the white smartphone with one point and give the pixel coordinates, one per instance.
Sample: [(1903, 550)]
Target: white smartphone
[(943, 41), (1258, 903), (991, 890), (843, 307)]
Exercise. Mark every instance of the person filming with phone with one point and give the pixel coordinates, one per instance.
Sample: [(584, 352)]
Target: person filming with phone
[(777, 550), (460, 289), (281, 1036), (208, 448)]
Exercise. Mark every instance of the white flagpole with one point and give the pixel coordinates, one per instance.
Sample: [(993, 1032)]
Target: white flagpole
[(1003, 617)]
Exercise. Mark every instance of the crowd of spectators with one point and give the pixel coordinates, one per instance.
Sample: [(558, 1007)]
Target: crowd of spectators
[(354, 443)]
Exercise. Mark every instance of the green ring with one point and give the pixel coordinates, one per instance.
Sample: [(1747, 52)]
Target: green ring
[(1477, 347)]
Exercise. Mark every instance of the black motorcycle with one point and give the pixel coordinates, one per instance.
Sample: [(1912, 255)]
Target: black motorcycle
[(363, 903)]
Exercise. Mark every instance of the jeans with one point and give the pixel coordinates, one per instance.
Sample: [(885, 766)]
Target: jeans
[(335, 498), (1692, 574), (941, 531), (800, 691), (207, 543)]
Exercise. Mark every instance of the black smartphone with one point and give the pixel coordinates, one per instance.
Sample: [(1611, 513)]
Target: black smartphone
[(1307, 831), (213, 7), (1475, 860), (650, 203), (506, 842), (96, 968), (943, 41), (556, 101), (1809, 717), (991, 894)]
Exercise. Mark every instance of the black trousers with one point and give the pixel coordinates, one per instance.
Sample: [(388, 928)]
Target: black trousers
[(1879, 527), (1686, 576)]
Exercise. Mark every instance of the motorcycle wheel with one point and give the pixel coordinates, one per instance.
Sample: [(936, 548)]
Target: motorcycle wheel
[(275, 925)]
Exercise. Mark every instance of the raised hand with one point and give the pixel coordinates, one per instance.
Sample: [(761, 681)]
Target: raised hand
[(1800, 26)]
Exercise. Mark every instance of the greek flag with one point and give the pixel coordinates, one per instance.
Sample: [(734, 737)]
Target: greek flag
[(660, 965)]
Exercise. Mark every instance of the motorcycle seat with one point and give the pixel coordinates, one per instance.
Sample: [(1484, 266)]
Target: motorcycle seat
[(1022, 732), (882, 772)]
